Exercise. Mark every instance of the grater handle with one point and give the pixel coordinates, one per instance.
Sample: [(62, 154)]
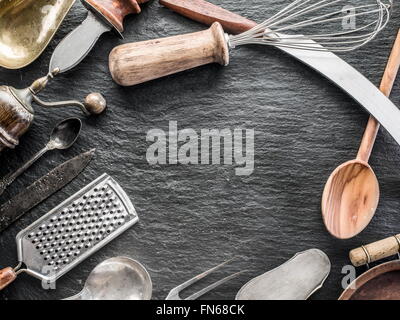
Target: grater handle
[(7, 276)]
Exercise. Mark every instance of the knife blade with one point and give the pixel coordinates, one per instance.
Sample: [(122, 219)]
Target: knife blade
[(102, 16), (43, 188), (327, 64)]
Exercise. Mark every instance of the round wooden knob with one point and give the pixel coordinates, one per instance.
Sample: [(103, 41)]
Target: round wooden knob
[(95, 103)]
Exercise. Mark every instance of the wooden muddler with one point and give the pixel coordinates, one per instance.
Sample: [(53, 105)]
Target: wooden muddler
[(375, 251), (134, 63)]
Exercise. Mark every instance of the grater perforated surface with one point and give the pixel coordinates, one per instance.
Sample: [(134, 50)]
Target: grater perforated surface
[(76, 228)]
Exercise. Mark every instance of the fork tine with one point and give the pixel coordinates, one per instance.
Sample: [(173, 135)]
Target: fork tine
[(201, 276), (214, 285)]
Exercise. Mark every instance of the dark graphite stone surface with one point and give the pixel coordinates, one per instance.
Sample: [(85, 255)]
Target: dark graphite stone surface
[(193, 217)]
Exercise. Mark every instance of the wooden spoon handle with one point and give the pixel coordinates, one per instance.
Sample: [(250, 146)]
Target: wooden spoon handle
[(115, 10), (375, 251), (208, 13), (386, 86), (134, 63), (7, 276)]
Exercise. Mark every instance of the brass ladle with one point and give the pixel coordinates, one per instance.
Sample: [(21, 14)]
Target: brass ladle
[(351, 194)]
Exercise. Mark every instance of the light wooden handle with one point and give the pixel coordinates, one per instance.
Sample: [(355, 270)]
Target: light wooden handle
[(375, 251), (7, 276), (371, 131), (134, 63)]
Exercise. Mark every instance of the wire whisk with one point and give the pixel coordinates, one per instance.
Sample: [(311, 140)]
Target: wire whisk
[(359, 24)]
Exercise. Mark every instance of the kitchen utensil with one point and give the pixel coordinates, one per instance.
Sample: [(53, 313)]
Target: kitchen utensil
[(16, 112), (72, 231), (351, 194), (27, 27), (296, 279), (43, 188), (174, 294), (117, 278), (135, 63), (382, 282), (326, 63), (103, 16), (62, 137)]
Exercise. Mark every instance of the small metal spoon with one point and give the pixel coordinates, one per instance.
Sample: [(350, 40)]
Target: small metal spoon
[(117, 278), (62, 137), (351, 194)]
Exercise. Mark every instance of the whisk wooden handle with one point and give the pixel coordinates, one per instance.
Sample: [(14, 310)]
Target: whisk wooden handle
[(7, 276), (207, 13), (375, 251), (134, 63)]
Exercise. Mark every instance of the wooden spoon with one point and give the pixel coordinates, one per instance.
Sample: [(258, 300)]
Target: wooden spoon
[(351, 194)]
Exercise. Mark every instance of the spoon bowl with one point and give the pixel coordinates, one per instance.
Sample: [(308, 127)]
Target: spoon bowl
[(350, 199), (119, 278), (65, 134)]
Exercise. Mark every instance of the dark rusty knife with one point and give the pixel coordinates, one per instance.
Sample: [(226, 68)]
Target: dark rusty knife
[(43, 188)]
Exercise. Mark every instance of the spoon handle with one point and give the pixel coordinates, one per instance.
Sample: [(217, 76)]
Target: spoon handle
[(8, 179), (386, 86)]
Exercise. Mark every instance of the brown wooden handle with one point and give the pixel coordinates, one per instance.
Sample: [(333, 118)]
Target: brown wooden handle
[(116, 10), (15, 119), (207, 13), (139, 62), (7, 276), (375, 251)]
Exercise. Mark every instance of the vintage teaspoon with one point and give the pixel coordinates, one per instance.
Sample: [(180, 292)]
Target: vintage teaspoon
[(351, 194), (117, 278), (62, 137)]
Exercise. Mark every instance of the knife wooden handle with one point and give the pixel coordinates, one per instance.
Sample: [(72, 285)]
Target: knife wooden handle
[(7, 276), (116, 10), (375, 251), (134, 63), (208, 13)]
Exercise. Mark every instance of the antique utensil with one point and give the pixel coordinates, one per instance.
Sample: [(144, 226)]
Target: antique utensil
[(135, 63), (103, 16), (296, 279), (326, 63), (62, 137), (117, 278), (174, 294), (72, 231), (42, 189), (351, 194), (16, 112), (381, 282), (27, 27)]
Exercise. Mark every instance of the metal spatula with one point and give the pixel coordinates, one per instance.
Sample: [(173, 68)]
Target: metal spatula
[(72, 231)]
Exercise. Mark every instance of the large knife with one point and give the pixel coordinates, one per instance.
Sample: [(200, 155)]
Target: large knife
[(43, 188), (103, 16), (326, 63)]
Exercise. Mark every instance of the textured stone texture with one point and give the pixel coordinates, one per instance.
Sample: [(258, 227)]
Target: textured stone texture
[(194, 217)]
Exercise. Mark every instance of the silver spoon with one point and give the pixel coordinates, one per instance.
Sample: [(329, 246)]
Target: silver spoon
[(62, 137), (117, 278)]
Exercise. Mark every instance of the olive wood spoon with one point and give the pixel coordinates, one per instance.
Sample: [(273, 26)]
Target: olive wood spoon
[(351, 194)]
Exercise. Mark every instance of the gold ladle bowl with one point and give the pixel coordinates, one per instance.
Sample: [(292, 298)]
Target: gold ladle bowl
[(27, 27)]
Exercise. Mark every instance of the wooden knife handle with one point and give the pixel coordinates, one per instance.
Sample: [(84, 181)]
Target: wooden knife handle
[(134, 63), (375, 251), (7, 276), (115, 10), (208, 13)]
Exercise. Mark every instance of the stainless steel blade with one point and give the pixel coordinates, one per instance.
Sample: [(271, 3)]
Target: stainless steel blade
[(43, 188), (77, 44), (352, 82)]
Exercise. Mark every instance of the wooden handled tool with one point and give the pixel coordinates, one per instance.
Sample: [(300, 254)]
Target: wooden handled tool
[(208, 13), (134, 63), (375, 251)]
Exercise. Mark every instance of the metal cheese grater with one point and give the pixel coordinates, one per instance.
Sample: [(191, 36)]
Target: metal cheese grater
[(72, 231)]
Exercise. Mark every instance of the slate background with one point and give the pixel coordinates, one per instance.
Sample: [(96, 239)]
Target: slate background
[(194, 217)]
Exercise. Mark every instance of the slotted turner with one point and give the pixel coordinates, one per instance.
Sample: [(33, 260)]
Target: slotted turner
[(72, 231)]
